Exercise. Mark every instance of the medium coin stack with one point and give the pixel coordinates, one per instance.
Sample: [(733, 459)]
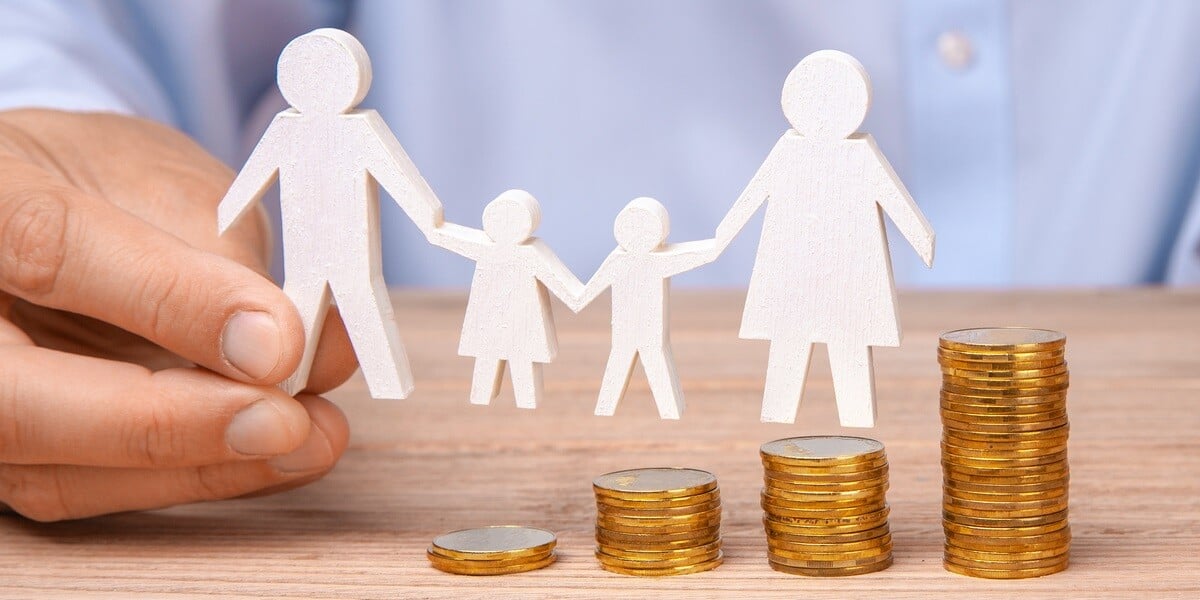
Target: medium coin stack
[(655, 522), (826, 511), (498, 550), (1004, 452)]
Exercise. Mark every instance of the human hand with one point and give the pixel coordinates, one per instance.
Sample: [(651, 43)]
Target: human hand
[(138, 351)]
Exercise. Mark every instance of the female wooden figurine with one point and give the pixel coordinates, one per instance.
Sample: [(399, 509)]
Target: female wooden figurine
[(508, 320), (823, 272)]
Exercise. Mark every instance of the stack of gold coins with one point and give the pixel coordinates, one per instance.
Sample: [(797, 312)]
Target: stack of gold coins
[(1004, 452), (826, 510), (498, 550), (655, 522)]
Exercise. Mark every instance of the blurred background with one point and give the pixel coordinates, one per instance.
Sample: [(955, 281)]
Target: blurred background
[(1049, 143)]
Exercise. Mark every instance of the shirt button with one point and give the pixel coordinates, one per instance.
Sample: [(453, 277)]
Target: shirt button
[(955, 50)]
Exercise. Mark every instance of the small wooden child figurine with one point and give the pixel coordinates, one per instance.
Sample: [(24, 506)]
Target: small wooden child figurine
[(508, 318), (639, 272)]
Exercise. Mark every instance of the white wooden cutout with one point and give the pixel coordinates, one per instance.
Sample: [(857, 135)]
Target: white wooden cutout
[(508, 322), (330, 159), (639, 273), (823, 273)]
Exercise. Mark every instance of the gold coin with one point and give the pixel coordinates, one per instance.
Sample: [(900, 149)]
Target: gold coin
[(680, 502), (1000, 392), (492, 543), (1054, 539), (831, 564), (771, 504), (1005, 523), (676, 511), (835, 572), (951, 447), (680, 528), (1006, 511), (1000, 409), (1057, 439), (684, 570), (999, 489), (822, 450), (654, 483), (987, 398), (783, 524), (1001, 359), (1005, 573), (823, 478), (1002, 427), (455, 563), (1007, 564), (1006, 383), (829, 498), (629, 553), (816, 536), (652, 544), (775, 479), (467, 568), (1055, 492), (834, 473), (990, 556), (669, 521), (791, 518), (1002, 339), (655, 540), (957, 471), (1005, 532), (1002, 461), (1003, 422), (791, 557), (826, 547), (667, 563), (1003, 373), (989, 363), (1008, 437)]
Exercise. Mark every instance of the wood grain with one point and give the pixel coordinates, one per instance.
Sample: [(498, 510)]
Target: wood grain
[(422, 466)]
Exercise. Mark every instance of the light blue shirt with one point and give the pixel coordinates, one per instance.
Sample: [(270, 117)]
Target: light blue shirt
[(1049, 143)]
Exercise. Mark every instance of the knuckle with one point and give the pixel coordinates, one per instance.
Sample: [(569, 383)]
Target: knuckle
[(155, 438), (33, 231), (213, 482), (34, 493)]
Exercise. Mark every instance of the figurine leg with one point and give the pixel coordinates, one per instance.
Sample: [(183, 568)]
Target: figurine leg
[(787, 370), (485, 383), (527, 383), (367, 313), (854, 385), (616, 379), (312, 302), (659, 364)]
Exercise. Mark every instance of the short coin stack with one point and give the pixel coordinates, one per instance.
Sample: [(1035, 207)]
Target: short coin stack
[(498, 550), (1004, 452), (826, 510), (659, 521)]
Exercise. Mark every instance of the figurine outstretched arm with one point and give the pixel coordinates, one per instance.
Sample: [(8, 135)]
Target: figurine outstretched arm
[(390, 165), (899, 205), (751, 199), (256, 177), (555, 275)]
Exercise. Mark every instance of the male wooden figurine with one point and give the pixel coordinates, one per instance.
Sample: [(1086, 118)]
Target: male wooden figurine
[(823, 272), (639, 273), (328, 158)]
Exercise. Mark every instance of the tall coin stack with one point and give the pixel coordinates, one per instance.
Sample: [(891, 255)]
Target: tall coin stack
[(656, 522), (825, 508), (1004, 452)]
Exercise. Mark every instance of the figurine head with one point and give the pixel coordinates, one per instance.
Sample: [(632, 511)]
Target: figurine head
[(642, 226), (512, 217), (827, 95), (324, 71)]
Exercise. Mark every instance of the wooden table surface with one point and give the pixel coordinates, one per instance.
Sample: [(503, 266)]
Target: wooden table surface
[(432, 463)]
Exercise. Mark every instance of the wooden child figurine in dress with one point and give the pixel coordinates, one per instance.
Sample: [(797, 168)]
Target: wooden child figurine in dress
[(823, 272), (639, 272), (330, 158), (508, 319)]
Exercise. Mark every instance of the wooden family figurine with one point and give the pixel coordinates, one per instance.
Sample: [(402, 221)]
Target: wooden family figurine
[(822, 272)]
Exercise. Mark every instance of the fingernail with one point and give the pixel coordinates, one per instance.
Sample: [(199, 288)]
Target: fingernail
[(261, 429), (252, 343), (314, 454)]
